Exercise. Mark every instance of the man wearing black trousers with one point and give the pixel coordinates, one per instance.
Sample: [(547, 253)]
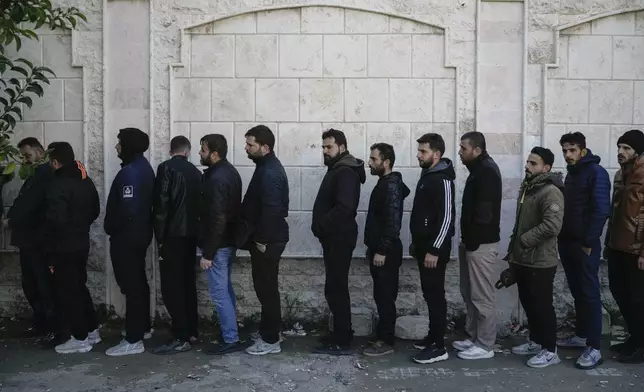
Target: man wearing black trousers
[(72, 205), (334, 224), (176, 200), (432, 228), (128, 222), (384, 248)]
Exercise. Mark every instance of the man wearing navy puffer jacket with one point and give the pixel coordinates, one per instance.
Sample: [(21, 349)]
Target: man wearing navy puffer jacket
[(586, 209)]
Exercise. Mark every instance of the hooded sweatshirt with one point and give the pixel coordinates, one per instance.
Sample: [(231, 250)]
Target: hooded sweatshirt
[(433, 213), (336, 204)]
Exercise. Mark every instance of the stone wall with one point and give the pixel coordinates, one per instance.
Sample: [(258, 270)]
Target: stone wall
[(381, 70)]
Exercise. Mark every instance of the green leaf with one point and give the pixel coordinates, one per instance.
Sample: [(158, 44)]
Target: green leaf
[(16, 110), (26, 62), (44, 69), (35, 88), (26, 171), (9, 119), (18, 43), (4, 101), (11, 93), (26, 100), (20, 70), (14, 81), (9, 169)]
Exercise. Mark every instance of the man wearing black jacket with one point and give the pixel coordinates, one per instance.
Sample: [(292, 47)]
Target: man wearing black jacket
[(384, 248), (221, 191), (334, 224), (72, 205), (25, 219), (478, 252), (432, 228), (263, 231), (176, 198)]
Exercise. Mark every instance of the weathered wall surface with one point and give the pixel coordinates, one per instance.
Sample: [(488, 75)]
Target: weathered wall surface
[(381, 70)]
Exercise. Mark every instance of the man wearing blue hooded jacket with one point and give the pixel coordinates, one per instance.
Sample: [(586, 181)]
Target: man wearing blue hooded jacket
[(586, 210)]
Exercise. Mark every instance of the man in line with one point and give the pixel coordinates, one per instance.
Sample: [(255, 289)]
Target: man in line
[(432, 229), (384, 248), (532, 254), (72, 205), (478, 252), (625, 244), (176, 225), (263, 231), (334, 224), (25, 219), (128, 222), (586, 209), (221, 192)]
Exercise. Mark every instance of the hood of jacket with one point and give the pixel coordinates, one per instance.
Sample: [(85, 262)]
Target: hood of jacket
[(396, 177), (587, 159), (540, 180), (73, 170), (444, 166), (346, 159)]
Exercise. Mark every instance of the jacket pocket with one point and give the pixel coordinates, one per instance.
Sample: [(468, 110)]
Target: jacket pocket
[(527, 255)]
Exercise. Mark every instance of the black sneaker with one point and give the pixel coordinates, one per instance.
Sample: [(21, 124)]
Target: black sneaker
[(333, 349), (52, 339), (624, 348), (174, 346), (635, 357), (423, 344), (431, 354), (377, 349), (224, 348)]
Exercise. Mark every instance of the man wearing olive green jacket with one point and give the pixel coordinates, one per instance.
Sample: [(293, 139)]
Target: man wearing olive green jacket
[(533, 256)]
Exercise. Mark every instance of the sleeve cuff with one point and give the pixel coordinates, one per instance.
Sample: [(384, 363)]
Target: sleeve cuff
[(433, 251)]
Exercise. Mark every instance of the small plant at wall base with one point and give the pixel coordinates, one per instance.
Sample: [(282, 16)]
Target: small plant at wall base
[(25, 82)]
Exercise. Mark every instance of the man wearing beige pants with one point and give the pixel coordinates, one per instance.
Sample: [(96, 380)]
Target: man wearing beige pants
[(478, 252)]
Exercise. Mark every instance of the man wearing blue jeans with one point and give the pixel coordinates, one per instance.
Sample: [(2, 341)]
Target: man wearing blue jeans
[(221, 189), (586, 209)]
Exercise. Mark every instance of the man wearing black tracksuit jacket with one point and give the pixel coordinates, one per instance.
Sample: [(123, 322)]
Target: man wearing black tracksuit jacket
[(384, 248), (432, 228), (334, 224)]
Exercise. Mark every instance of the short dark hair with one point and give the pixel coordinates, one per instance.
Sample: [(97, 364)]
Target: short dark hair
[(216, 143), (546, 155), (575, 138), (434, 140), (263, 136), (61, 152), (476, 140), (30, 142), (179, 144), (386, 151), (337, 135)]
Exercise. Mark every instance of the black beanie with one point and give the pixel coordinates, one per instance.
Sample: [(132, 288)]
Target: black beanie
[(133, 140), (634, 138)]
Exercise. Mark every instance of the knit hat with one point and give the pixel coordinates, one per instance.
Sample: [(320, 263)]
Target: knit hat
[(134, 140), (633, 138)]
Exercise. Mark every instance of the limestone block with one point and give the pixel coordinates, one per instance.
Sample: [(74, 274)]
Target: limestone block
[(567, 101), (199, 130), (279, 21), (49, 107), (345, 56), (326, 20), (590, 57), (500, 121), (57, 54), (393, 53), (181, 129), (597, 139), (406, 26), (366, 99), (239, 154), (447, 131), (28, 129), (277, 100), (396, 134), (212, 56), (304, 144), (311, 180), (639, 23), (360, 22), (493, 53), (638, 110), (552, 135), (504, 143), (561, 72), (356, 134), (242, 24), (444, 101), (233, 100), (611, 102), (621, 24), (428, 57), (365, 192), (246, 173), (628, 53), (73, 99), (410, 100), (582, 29), (501, 87), (412, 327), (501, 31), (512, 166), (410, 178), (191, 98), (256, 56), (294, 184), (302, 242), (71, 132), (321, 100), (30, 50), (300, 55)]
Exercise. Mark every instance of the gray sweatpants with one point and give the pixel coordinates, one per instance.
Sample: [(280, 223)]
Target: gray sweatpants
[(478, 273)]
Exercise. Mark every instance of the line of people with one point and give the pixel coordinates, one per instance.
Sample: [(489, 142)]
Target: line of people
[(186, 209)]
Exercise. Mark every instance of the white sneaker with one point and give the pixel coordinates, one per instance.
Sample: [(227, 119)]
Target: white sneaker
[(125, 348), (462, 345), (146, 336), (255, 336), (573, 341), (530, 348), (544, 359), (476, 352), (73, 346), (260, 347), (94, 337)]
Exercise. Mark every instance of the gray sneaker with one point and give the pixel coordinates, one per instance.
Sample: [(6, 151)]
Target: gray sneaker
[(378, 349), (173, 347), (529, 348), (590, 359), (544, 359), (573, 341)]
